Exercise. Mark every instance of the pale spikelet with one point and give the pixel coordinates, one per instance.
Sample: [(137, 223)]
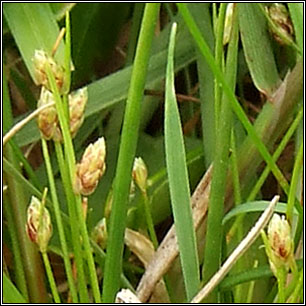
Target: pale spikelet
[(91, 168), (280, 242), (47, 119), (40, 60), (77, 104), (140, 173), (38, 233)]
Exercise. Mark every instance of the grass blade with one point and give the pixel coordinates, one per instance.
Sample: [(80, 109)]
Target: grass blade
[(256, 42), (215, 213), (10, 292), (113, 263), (178, 181), (33, 26)]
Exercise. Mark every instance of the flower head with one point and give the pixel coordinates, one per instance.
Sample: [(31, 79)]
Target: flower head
[(91, 168), (38, 227), (280, 242), (40, 61), (77, 104), (47, 119), (140, 173)]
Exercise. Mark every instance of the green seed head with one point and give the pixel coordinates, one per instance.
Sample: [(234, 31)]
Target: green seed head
[(140, 174), (280, 241), (38, 227)]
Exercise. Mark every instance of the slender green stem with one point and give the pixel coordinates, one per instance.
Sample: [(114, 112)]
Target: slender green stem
[(88, 252), (59, 223), (113, 264), (219, 60), (281, 277), (251, 287), (75, 232), (296, 296), (149, 219), (69, 152), (235, 170), (298, 166), (218, 184), (51, 278), (67, 54)]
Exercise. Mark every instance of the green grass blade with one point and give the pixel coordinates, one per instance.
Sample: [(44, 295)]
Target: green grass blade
[(249, 275), (10, 292), (113, 263), (33, 26), (254, 206), (178, 181), (257, 48)]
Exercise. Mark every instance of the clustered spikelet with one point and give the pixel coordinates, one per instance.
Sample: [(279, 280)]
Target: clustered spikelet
[(48, 122), (140, 173), (40, 61), (77, 104), (91, 168), (47, 119), (38, 233), (280, 242), (279, 245)]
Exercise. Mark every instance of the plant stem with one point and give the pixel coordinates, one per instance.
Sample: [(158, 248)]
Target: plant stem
[(59, 223), (75, 232), (69, 152), (51, 278), (149, 219), (281, 276), (113, 263), (298, 166), (88, 251), (214, 220)]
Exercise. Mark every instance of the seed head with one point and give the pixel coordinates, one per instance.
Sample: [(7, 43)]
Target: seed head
[(280, 242), (140, 174), (47, 118), (91, 168), (40, 60), (77, 104), (39, 228)]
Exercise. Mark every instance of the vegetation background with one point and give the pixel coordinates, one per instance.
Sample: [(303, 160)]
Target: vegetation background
[(226, 89)]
